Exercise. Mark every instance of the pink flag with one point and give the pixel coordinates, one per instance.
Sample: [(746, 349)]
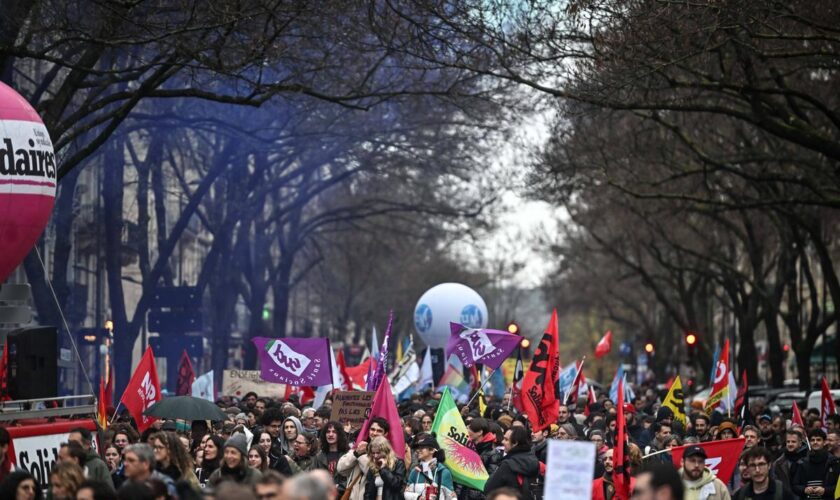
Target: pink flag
[(604, 345), (385, 407)]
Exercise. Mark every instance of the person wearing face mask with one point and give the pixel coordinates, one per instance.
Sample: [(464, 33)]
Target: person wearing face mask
[(385, 477), (234, 465), (429, 478)]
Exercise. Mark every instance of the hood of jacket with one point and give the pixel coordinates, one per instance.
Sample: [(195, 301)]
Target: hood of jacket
[(705, 479), (523, 461), (287, 446)]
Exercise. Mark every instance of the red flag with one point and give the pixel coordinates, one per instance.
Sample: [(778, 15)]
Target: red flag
[(796, 417), (186, 376), (142, 391), (826, 405), (101, 409), (539, 396), (721, 456), (741, 398), (346, 381), (621, 474), (590, 400), (358, 374), (385, 407), (4, 374), (720, 388), (604, 345)]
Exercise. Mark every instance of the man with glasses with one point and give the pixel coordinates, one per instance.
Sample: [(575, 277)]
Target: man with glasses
[(761, 486)]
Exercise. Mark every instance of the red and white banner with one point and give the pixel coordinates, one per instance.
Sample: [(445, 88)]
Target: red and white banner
[(604, 345), (142, 391), (720, 388), (721, 456), (35, 447)]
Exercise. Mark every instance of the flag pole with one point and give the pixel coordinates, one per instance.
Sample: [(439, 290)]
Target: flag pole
[(580, 369), (115, 413), (481, 387)]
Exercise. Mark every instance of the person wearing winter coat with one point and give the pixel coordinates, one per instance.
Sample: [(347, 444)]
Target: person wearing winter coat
[(94, 467), (519, 467), (292, 428), (355, 463), (235, 464), (808, 480), (385, 478), (698, 480), (430, 471), (795, 450)]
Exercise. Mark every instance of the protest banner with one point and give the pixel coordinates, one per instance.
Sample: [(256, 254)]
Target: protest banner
[(352, 406), (240, 382), (569, 470)]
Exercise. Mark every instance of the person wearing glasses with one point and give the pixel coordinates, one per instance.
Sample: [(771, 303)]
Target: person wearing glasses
[(761, 485), (171, 458)]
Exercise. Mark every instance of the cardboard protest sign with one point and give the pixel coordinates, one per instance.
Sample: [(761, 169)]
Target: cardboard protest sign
[(240, 382), (352, 406), (569, 470)]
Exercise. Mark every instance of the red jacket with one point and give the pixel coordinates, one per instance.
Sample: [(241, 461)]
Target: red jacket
[(598, 489)]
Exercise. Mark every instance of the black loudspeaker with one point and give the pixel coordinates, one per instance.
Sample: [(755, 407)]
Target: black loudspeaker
[(33, 363)]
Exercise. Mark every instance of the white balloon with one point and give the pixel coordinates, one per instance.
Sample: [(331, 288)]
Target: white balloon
[(444, 303)]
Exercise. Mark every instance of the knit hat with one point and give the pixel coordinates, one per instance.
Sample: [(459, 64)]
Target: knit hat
[(238, 442)]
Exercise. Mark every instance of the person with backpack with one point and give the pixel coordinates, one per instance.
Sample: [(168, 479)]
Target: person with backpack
[(761, 486), (519, 467)]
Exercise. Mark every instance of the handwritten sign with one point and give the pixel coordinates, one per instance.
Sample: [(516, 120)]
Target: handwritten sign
[(569, 470), (352, 406), (240, 382)]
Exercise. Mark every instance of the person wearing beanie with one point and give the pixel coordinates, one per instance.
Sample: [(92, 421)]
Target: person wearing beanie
[(235, 464)]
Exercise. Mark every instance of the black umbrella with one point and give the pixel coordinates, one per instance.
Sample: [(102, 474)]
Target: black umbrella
[(185, 408)]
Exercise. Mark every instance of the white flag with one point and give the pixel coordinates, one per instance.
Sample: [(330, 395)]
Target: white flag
[(427, 376), (203, 387), (374, 345), (323, 391)]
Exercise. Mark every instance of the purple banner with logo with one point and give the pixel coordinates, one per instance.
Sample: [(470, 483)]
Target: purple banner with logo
[(297, 362), (480, 345)]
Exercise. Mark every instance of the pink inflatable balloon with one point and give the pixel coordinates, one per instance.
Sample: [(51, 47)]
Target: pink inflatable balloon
[(27, 179)]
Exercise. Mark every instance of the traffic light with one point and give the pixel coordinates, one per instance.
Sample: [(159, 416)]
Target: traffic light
[(525, 343), (513, 328), (691, 339), (649, 348)]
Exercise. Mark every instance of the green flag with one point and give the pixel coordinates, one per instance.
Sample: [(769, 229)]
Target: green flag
[(463, 461)]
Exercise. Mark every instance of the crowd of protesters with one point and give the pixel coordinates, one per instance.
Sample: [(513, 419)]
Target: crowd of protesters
[(282, 450)]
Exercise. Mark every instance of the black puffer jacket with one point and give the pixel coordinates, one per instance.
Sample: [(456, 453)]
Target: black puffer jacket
[(394, 482), (489, 456), (520, 463)]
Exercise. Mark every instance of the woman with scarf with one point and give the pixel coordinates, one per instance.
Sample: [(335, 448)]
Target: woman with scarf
[(211, 459)]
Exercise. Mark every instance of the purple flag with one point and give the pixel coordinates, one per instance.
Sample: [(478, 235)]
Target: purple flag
[(488, 347), (296, 362), (382, 363)]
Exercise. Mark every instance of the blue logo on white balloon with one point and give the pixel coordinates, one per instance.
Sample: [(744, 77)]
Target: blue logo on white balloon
[(423, 318), (471, 316)]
